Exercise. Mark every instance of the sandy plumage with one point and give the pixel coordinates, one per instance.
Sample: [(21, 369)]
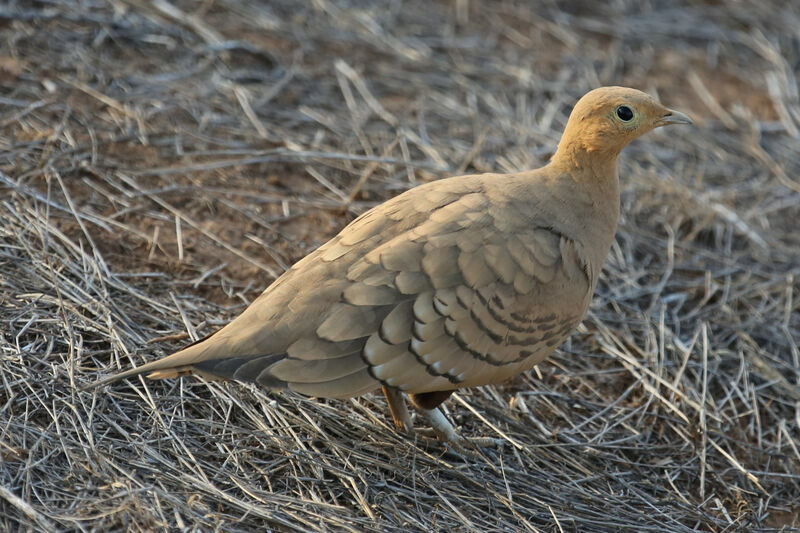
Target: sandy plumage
[(460, 282)]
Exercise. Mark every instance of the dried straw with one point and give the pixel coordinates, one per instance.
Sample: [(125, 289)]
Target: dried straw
[(161, 163)]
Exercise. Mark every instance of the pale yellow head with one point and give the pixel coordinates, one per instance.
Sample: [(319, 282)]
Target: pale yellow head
[(605, 120)]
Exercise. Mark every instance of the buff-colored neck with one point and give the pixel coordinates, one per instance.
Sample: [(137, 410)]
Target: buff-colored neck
[(593, 167), (589, 163)]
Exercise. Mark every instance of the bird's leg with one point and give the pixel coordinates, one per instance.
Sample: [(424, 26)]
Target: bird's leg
[(428, 405), (442, 427), (397, 406), (445, 432)]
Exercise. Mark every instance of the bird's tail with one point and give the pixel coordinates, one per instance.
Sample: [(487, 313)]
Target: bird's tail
[(179, 363)]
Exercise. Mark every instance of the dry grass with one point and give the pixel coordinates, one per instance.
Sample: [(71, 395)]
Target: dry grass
[(161, 163)]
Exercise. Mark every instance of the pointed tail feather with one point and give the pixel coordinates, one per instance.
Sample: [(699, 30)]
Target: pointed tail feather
[(155, 370), (204, 359), (177, 364)]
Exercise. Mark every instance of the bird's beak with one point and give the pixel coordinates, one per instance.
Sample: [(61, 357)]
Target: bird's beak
[(673, 117)]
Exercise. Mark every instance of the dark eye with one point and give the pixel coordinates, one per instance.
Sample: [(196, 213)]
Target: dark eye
[(624, 113)]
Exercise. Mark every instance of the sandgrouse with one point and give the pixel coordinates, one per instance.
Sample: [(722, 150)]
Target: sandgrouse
[(456, 283)]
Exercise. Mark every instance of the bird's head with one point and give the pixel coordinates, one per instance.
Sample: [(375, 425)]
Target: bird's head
[(606, 119)]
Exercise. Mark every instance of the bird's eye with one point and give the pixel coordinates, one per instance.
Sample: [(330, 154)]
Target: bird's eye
[(624, 113)]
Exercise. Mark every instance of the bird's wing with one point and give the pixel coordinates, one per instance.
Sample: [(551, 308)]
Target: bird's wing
[(445, 286), (477, 298)]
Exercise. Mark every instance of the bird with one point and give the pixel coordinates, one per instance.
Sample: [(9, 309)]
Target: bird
[(459, 282)]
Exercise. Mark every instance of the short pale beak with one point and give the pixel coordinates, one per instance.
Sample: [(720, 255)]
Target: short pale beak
[(674, 117)]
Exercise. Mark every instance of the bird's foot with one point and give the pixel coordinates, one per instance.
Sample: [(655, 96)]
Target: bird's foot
[(440, 427), (446, 433)]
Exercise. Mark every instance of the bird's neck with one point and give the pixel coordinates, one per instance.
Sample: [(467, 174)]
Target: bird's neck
[(595, 170), (585, 160), (595, 183)]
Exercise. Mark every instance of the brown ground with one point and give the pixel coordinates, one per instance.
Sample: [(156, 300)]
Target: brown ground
[(161, 163)]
